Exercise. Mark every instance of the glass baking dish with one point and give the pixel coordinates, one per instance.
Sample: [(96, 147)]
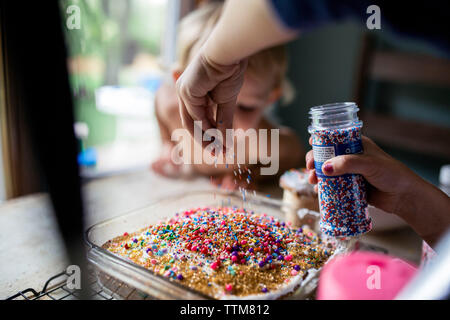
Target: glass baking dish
[(108, 266)]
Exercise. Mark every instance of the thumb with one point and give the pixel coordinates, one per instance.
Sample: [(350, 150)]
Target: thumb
[(354, 163), (224, 118)]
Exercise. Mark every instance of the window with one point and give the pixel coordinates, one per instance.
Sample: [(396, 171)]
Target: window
[(117, 59)]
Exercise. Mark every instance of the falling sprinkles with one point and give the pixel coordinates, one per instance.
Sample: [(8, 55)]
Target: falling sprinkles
[(224, 251), (248, 179), (240, 174)]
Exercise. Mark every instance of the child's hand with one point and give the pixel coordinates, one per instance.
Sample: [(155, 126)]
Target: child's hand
[(205, 84), (164, 165), (391, 182), (394, 188), (229, 181)]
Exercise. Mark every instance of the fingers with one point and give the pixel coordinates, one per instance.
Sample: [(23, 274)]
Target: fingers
[(225, 95), (216, 181), (228, 183), (186, 119), (190, 124), (355, 163), (224, 118), (309, 160), (367, 164), (166, 168), (201, 87), (194, 106), (210, 115), (312, 177)]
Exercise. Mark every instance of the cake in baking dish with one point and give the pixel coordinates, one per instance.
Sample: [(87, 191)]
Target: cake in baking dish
[(298, 194), (226, 252)]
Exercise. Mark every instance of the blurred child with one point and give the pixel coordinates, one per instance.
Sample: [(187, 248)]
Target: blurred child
[(262, 87)]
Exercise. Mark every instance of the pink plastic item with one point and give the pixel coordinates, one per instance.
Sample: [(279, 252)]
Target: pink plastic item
[(364, 276)]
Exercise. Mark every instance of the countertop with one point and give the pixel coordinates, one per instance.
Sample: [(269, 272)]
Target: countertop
[(31, 250)]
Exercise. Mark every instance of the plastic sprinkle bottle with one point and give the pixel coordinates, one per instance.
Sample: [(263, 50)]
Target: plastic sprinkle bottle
[(336, 130)]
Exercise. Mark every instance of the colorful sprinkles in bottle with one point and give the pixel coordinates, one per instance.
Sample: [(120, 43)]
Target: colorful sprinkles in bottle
[(336, 130)]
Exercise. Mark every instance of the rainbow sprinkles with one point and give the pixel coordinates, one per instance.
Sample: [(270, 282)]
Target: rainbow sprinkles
[(226, 252)]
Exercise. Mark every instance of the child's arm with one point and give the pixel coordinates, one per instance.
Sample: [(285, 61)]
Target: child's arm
[(217, 72), (394, 188)]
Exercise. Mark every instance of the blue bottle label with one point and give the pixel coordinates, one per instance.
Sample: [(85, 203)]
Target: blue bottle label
[(322, 153)]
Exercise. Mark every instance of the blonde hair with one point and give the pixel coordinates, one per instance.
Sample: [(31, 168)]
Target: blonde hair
[(195, 28)]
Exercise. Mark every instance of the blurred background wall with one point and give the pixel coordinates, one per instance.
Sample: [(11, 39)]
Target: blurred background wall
[(324, 68)]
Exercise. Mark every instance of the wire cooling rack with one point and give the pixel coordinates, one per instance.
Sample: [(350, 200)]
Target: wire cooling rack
[(55, 288)]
